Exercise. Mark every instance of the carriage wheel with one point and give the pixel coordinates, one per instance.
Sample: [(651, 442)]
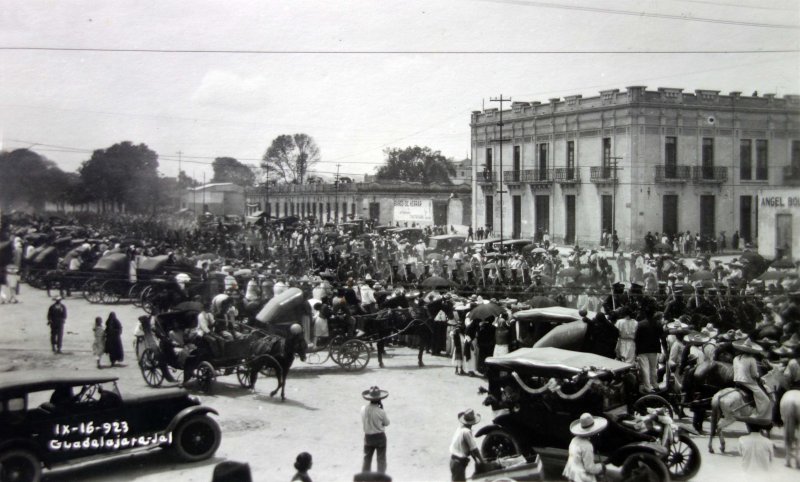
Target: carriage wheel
[(641, 405), (205, 375), (134, 294), (92, 291), (151, 372), (645, 466), (243, 375), (108, 294), (683, 459), (148, 307), (354, 355), (334, 346)]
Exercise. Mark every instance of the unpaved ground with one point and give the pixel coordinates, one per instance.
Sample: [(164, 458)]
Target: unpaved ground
[(320, 415)]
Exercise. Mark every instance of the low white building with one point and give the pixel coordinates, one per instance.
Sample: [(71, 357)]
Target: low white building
[(779, 223)]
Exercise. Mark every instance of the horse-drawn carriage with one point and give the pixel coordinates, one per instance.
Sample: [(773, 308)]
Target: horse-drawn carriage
[(109, 280), (153, 272), (171, 351), (342, 345), (537, 392)]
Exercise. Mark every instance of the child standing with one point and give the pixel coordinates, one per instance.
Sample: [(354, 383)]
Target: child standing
[(99, 345)]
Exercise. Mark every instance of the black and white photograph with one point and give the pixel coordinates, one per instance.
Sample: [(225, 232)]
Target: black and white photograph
[(429, 240)]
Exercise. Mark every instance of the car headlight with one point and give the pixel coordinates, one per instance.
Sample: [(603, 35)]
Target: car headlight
[(194, 399)]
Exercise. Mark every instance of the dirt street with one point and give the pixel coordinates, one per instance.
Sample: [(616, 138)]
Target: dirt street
[(320, 415)]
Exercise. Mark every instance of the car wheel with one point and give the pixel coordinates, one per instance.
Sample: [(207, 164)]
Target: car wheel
[(644, 467), (20, 466), (196, 438), (499, 443), (683, 459)]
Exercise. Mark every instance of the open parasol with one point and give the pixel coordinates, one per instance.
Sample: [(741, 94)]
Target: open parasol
[(782, 263), (436, 282), (485, 310)]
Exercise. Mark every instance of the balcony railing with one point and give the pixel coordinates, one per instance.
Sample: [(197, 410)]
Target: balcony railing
[(537, 176), (512, 177), (791, 175), (567, 175), (709, 174), (602, 175), (487, 177), (673, 173)]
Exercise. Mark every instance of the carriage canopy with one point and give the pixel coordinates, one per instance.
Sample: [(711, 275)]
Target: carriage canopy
[(114, 262)]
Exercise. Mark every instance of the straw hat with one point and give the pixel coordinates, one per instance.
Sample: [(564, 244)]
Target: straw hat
[(469, 417), (695, 338), (588, 425), (710, 330), (748, 346), (374, 393)]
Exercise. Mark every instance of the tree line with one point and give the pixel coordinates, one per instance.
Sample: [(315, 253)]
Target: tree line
[(125, 175)]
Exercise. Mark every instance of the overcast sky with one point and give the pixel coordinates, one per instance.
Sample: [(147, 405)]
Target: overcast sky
[(354, 104)]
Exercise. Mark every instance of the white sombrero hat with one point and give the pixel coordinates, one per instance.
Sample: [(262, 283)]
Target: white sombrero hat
[(588, 425), (469, 417), (374, 393)]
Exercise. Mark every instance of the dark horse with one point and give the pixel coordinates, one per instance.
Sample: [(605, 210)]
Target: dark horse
[(393, 322), (276, 352), (700, 383)]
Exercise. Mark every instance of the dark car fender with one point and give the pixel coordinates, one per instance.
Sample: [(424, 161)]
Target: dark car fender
[(187, 413), (622, 453), (517, 433), (26, 444)]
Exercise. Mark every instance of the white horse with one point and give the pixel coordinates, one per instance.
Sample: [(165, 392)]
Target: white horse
[(729, 404), (790, 413)]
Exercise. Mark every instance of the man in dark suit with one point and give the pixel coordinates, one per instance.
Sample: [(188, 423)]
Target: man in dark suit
[(56, 318)]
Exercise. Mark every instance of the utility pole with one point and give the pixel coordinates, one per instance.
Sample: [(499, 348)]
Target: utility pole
[(336, 197), (499, 141)]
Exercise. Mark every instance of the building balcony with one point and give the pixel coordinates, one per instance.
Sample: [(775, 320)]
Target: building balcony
[(791, 175), (709, 174), (512, 177), (602, 175), (673, 173), (567, 175), (487, 177), (537, 177)]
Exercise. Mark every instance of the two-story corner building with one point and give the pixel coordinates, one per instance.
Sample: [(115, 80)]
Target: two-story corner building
[(662, 160)]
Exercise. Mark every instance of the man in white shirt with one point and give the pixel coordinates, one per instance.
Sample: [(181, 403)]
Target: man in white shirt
[(756, 449), (375, 421), (464, 445), (368, 301)]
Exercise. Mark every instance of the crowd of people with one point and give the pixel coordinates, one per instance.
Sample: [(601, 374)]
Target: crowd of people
[(658, 307)]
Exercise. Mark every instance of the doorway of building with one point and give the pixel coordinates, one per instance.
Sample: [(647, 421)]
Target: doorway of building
[(542, 215), (669, 224), (783, 235), (569, 203), (516, 216), (440, 213), (746, 218), (606, 216), (707, 218)]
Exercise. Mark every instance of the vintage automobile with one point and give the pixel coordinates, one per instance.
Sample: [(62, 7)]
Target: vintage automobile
[(47, 419), (446, 242), (537, 392)]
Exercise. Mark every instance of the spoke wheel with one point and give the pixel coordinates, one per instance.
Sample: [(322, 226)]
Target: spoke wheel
[(354, 355), (197, 438), (683, 459), (645, 467), (151, 372), (243, 375), (134, 293), (205, 375), (19, 466), (499, 443), (641, 405), (109, 294), (92, 291)]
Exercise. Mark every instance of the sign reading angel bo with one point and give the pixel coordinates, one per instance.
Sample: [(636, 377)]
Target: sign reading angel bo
[(419, 211)]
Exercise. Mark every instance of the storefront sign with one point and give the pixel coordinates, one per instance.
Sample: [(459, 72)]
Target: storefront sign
[(780, 201), (418, 211)]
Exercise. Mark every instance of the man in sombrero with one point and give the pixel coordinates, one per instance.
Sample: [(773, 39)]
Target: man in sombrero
[(581, 465), (464, 445), (375, 422), (746, 376)]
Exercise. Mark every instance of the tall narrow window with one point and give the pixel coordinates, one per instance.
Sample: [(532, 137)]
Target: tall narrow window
[(607, 157), (671, 157), (708, 158), (745, 159), (517, 164), (489, 159), (570, 159), (542, 171), (489, 212), (762, 167)]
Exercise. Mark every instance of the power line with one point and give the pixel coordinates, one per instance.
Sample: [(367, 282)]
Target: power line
[(666, 16), (739, 5), (415, 52)]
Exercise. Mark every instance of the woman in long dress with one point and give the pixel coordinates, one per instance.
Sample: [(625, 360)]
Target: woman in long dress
[(114, 339)]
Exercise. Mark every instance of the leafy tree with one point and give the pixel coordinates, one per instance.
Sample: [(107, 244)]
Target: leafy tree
[(418, 164), (185, 180), (123, 174), (228, 169), (28, 177), (291, 157)]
